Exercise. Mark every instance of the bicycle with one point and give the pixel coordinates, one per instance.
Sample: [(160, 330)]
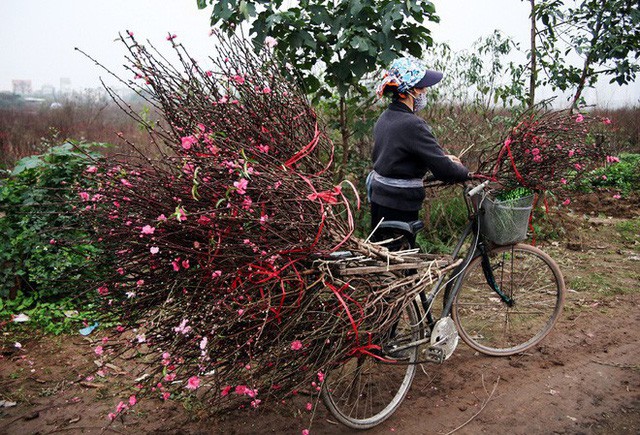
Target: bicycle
[(501, 300)]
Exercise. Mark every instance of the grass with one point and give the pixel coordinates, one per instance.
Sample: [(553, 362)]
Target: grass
[(629, 232)]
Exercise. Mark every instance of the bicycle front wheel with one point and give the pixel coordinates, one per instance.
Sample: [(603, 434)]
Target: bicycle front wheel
[(533, 282), (365, 390)]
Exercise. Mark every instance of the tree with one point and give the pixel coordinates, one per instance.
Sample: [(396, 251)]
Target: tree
[(333, 44), (605, 34)]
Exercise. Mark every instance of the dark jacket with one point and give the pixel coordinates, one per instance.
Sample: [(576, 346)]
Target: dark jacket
[(405, 148)]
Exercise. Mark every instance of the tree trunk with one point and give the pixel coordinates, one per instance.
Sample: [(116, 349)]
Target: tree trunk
[(344, 133), (589, 59), (534, 67)]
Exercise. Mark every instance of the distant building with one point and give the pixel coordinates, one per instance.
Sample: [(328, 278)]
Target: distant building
[(21, 87), (47, 90)]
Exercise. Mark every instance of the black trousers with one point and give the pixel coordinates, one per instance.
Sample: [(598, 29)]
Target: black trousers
[(378, 212)]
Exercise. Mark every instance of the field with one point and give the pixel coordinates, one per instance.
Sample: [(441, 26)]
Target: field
[(584, 378)]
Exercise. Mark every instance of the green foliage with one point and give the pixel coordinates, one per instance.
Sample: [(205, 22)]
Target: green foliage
[(604, 34), (623, 176), (45, 249), (445, 218), (348, 38), (629, 231), (517, 193), (51, 317)]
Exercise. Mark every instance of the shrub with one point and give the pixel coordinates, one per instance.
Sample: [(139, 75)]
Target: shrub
[(623, 176), (45, 250)]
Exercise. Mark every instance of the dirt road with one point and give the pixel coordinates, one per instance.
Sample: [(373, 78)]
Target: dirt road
[(583, 379)]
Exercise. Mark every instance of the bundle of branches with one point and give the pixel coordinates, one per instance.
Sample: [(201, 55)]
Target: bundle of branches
[(546, 151), (214, 241)]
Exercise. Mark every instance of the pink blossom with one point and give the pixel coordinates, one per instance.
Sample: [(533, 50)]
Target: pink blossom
[(120, 271), (166, 395), (52, 241), (571, 153), (148, 229), (183, 328), (241, 186), (193, 383), (92, 169), (185, 264), (537, 158), (612, 159), (203, 343), (112, 416), (181, 214), (154, 250), (563, 180), (133, 400), (170, 377), (84, 196), (140, 282), (296, 345), (606, 121), (125, 182), (579, 118), (225, 391), (264, 218), (604, 177), (270, 41), (578, 166), (507, 142), (203, 220), (161, 218), (188, 141), (266, 90), (166, 355), (320, 376), (176, 264), (103, 290), (305, 431), (309, 406), (209, 73), (617, 196), (535, 151), (255, 403), (99, 350), (216, 274), (566, 202), (141, 338), (171, 37), (263, 148), (120, 328), (238, 79), (240, 312)]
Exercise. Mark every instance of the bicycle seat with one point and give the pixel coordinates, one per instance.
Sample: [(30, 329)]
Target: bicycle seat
[(399, 235), (411, 228)]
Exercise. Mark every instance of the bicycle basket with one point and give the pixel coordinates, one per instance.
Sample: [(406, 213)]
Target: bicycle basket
[(506, 222)]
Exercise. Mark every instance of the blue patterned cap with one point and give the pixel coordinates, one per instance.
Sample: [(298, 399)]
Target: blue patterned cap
[(408, 72)]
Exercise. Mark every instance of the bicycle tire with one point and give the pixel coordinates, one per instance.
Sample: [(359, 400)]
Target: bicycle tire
[(535, 283), (364, 391)]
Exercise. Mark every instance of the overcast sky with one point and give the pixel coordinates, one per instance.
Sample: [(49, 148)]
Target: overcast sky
[(38, 36)]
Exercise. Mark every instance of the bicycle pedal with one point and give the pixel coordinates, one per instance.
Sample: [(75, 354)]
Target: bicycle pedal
[(435, 354)]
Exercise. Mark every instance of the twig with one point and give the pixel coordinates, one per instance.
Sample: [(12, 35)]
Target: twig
[(484, 404)]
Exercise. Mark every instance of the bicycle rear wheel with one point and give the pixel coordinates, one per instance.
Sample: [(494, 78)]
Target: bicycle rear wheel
[(365, 390), (531, 279)]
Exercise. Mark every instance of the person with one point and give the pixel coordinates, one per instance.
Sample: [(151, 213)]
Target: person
[(405, 149)]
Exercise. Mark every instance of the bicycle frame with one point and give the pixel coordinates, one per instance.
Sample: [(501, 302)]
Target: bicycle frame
[(478, 247)]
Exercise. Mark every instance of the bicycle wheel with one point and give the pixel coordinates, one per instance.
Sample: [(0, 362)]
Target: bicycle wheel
[(364, 391), (531, 279)]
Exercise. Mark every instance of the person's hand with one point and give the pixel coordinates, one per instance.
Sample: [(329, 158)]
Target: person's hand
[(454, 159)]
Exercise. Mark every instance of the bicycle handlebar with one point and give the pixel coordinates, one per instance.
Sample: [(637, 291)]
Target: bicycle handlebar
[(477, 189)]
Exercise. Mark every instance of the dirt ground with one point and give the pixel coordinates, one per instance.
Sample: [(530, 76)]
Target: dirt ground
[(583, 379)]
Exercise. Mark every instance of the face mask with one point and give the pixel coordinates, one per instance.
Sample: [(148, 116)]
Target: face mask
[(419, 102)]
